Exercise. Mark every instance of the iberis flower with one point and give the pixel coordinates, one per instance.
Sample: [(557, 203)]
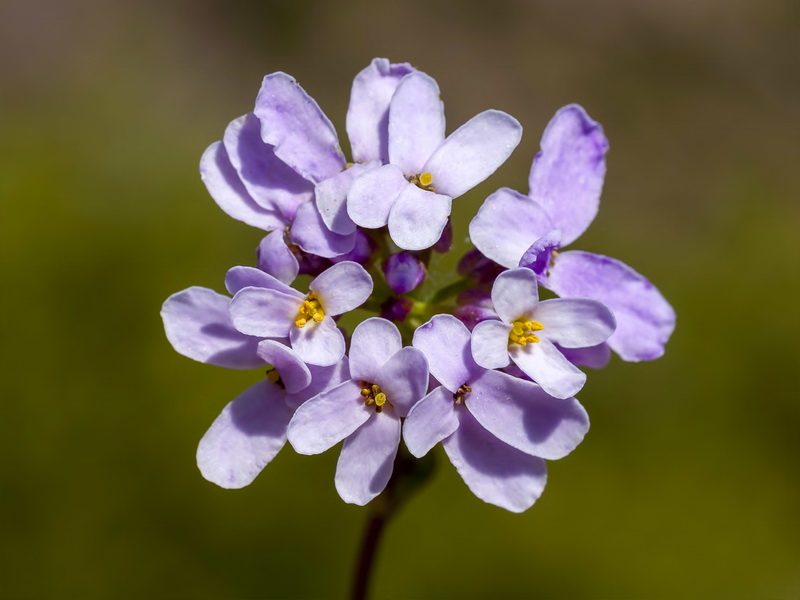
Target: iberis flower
[(495, 428), (413, 194), (566, 179), (385, 381)]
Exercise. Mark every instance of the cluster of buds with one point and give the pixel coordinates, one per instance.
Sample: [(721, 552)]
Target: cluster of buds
[(480, 365)]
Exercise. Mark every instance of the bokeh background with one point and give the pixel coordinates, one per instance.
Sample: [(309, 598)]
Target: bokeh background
[(687, 485)]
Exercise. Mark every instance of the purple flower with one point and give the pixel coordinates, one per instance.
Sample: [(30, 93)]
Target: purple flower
[(404, 272), (565, 183), (307, 320), (251, 429), (528, 331), (386, 380), (494, 427), (413, 194)]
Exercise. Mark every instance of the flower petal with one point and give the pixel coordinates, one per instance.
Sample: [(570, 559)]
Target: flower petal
[(567, 174), (430, 421), (374, 341), (489, 344), (292, 370), (227, 190), (416, 122), (515, 294), (575, 322), (372, 196), (595, 357), (293, 122), (263, 312), (238, 278), (320, 344), (473, 152), (245, 437), (310, 233), (322, 380), (276, 259), (538, 257), (542, 362), (367, 458), (368, 114), (418, 218), (328, 418), (645, 320), (445, 342), (342, 287), (494, 471), (506, 225), (268, 180), (522, 415), (198, 325), (331, 196), (404, 379)]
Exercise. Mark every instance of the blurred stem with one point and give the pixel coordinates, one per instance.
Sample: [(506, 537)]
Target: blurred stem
[(408, 476)]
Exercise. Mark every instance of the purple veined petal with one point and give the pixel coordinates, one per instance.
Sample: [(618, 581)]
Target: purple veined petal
[(567, 174), (320, 344), (473, 152), (310, 233), (331, 197), (418, 218), (245, 437), (490, 344), (198, 325), (368, 114), (270, 182), (471, 315), (515, 294), (645, 320), (293, 122), (322, 380), (522, 415), (594, 357), (328, 418), (263, 312), (430, 421), (506, 225), (445, 342), (575, 322), (372, 196), (404, 272), (374, 341), (342, 287), (416, 122), (494, 471), (292, 370), (404, 379), (229, 193), (537, 258), (367, 458), (542, 362), (238, 278), (276, 259)]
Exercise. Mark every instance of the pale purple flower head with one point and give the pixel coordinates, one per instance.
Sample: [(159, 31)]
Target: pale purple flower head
[(385, 381), (566, 180), (495, 428), (307, 320), (414, 192), (530, 332)]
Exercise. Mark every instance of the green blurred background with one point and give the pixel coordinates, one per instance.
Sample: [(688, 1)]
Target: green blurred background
[(687, 485)]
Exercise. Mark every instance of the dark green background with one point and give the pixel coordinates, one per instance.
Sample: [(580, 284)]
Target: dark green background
[(687, 484)]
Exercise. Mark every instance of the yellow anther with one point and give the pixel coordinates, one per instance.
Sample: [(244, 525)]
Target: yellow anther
[(300, 322), (273, 376), (366, 393), (380, 399), (522, 332), (425, 179), (374, 396), (310, 309)]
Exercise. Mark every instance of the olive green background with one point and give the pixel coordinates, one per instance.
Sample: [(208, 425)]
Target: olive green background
[(685, 487)]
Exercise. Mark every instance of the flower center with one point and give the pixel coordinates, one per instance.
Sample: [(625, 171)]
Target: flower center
[(310, 310), (423, 181), (274, 377), (522, 332), (373, 396), (461, 393)]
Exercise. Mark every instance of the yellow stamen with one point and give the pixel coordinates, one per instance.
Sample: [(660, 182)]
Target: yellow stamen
[(425, 179), (522, 332), (310, 310), (374, 396)]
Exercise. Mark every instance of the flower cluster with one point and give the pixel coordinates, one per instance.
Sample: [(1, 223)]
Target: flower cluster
[(481, 365)]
